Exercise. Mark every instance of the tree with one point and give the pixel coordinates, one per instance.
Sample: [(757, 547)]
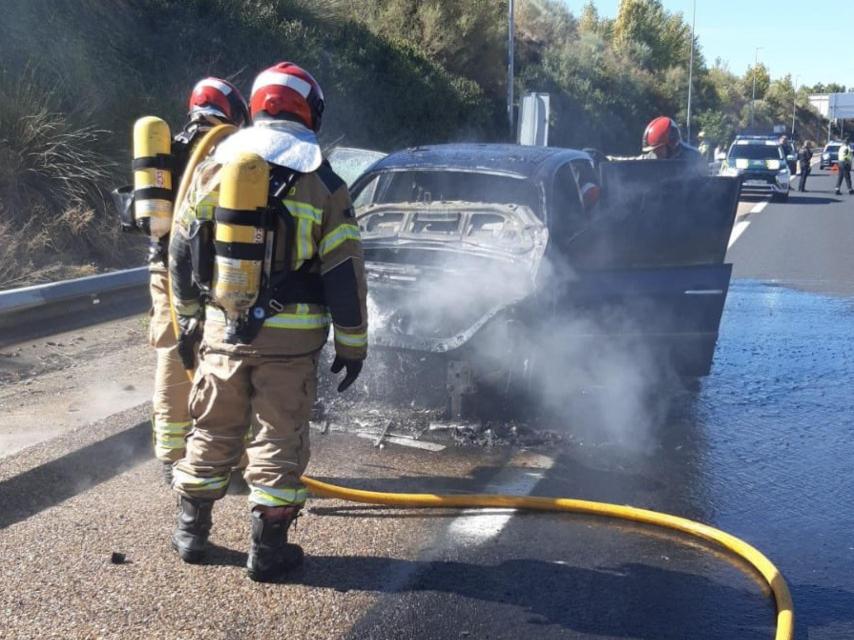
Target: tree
[(467, 37), (718, 127), (589, 21), (763, 81), (833, 87), (661, 38)]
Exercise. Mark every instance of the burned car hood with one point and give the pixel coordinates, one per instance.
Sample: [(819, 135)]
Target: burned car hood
[(438, 272)]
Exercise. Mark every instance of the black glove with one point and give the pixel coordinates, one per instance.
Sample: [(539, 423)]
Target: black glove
[(189, 337), (354, 368)]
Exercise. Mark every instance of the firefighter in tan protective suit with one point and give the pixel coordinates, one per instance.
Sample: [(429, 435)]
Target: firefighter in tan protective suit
[(268, 253), (158, 166)]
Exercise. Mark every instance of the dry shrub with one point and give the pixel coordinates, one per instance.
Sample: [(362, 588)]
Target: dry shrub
[(53, 214)]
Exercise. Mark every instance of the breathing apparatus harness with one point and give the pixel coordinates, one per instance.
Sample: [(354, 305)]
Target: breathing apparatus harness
[(277, 288)]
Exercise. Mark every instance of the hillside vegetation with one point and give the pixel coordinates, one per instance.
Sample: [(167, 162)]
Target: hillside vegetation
[(75, 74)]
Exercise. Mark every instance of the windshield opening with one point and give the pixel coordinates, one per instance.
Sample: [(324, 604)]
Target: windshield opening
[(397, 187)]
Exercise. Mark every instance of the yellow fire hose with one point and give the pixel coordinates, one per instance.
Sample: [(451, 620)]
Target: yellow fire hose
[(775, 580)]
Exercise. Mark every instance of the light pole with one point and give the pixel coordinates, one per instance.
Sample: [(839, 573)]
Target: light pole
[(510, 67), (691, 71), (753, 100), (794, 104)]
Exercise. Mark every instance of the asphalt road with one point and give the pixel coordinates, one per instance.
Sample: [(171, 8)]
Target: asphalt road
[(762, 448), (805, 243)]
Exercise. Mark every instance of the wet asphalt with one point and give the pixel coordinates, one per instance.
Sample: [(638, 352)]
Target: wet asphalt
[(762, 448)]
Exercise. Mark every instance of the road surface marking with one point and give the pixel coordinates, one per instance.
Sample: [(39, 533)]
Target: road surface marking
[(759, 207), (741, 226), (704, 292), (737, 230), (525, 471)]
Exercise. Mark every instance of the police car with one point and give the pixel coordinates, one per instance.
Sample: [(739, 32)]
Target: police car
[(761, 164)]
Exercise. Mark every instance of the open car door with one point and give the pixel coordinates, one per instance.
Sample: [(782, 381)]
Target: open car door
[(650, 266)]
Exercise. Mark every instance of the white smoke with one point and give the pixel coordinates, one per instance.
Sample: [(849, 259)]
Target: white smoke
[(587, 376)]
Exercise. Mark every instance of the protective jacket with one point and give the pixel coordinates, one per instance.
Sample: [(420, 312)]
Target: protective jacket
[(315, 230), (845, 154)]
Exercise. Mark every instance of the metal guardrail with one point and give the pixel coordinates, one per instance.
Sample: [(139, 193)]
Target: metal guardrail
[(17, 300), (47, 309)]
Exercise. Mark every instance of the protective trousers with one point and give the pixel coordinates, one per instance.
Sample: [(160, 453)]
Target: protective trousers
[(236, 383), (171, 416), (844, 172)]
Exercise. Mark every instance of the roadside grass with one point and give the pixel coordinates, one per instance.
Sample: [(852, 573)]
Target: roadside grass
[(53, 212)]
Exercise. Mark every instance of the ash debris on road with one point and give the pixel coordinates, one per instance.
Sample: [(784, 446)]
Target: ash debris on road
[(428, 425)]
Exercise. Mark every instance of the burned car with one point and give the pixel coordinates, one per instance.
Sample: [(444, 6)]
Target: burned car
[(525, 267)]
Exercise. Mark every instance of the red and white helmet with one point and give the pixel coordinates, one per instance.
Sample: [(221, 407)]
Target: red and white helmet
[(661, 132), (288, 91), (214, 97)]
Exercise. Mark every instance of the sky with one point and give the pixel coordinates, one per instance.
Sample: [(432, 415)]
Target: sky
[(797, 38)]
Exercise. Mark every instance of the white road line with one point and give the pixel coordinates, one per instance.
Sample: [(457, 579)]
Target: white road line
[(737, 230), (759, 207), (741, 226), (525, 471)]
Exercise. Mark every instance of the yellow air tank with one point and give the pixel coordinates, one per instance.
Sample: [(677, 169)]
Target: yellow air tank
[(241, 234), (152, 176)]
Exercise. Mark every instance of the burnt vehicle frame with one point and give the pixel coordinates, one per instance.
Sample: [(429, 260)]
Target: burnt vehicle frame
[(643, 267)]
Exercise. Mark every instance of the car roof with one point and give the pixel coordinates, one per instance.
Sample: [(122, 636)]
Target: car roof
[(518, 160)]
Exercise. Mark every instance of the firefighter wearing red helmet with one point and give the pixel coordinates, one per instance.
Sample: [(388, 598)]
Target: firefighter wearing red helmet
[(663, 141), (212, 101), (281, 214)]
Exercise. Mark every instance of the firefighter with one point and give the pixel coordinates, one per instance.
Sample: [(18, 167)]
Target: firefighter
[(804, 159), (285, 260), (212, 101), (663, 141), (844, 167)]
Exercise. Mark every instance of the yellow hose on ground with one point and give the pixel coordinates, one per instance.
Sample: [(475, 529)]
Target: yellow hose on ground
[(745, 551)]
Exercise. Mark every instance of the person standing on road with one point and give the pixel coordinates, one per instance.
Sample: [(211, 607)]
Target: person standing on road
[(844, 167), (212, 102), (262, 362), (804, 159)]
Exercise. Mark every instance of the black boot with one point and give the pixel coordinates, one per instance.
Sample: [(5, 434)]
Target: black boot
[(271, 556), (190, 539)]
